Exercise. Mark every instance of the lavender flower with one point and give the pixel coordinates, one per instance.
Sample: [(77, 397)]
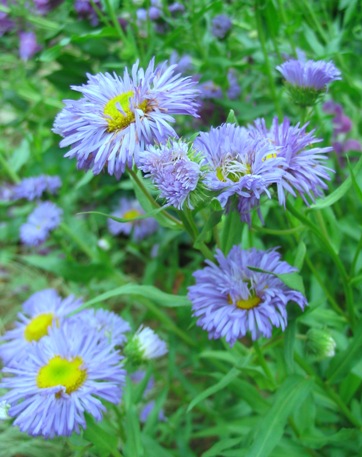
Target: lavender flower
[(309, 73), (147, 410), (237, 164), (32, 188), (45, 218), (6, 24), (173, 172), (45, 6), (209, 89), (221, 25), (85, 10), (106, 324), (118, 117), (28, 45), (129, 209), (65, 375), (303, 166), (183, 63), (230, 299), (176, 8), (154, 13), (39, 312), (234, 90)]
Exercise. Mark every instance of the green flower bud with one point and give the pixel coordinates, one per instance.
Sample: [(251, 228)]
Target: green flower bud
[(320, 343)]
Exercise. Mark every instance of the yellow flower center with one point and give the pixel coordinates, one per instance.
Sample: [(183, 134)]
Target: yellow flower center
[(249, 303), (223, 174), (131, 214), (116, 118), (62, 372), (272, 155), (38, 327)]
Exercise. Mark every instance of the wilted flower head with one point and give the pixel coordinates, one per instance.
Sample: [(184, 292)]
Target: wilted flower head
[(310, 75), (129, 209), (221, 25), (230, 299), (237, 164), (303, 166), (45, 218), (34, 187), (172, 170), (117, 117), (28, 45), (65, 375), (107, 325), (39, 312), (145, 345)]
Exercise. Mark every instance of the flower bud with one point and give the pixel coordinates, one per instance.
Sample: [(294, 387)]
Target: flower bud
[(320, 343)]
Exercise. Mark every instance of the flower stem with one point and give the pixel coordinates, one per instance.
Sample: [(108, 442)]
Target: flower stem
[(83, 246), (263, 363), (12, 174)]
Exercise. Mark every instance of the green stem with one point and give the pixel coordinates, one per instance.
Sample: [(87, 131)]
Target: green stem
[(342, 271), (117, 26), (190, 226), (149, 197), (78, 241), (12, 174), (355, 258), (331, 393), (263, 363), (259, 25)]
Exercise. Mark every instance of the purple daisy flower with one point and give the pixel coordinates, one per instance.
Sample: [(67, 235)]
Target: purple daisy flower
[(221, 25), (32, 188), (231, 300), (106, 324), (183, 63), (117, 117), (172, 171), (237, 164), (149, 345), (39, 312), (65, 375), (209, 89), (176, 8), (309, 73), (129, 209), (303, 166), (45, 218)]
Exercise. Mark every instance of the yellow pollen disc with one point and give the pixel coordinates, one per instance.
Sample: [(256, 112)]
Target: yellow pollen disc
[(116, 119), (273, 155), (250, 303), (38, 327), (62, 372), (131, 214), (235, 177)]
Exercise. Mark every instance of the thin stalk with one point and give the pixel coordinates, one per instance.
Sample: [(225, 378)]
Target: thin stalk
[(114, 19), (331, 393), (261, 35), (263, 363), (190, 226), (150, 198), (342, 271), (355, 258), (83, 246), (12, 174)]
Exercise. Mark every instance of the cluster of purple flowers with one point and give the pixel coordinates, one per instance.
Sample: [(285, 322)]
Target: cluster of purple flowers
[(58, 367), (342, 125), (34, 187)]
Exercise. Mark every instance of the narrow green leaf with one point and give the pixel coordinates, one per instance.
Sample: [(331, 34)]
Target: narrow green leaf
[(103, 437), (226, 380), (343, 362), (222, 445), (289, 342), (231, 232), (270, 428), (231, 119), (338, 193), (213, 220), (299, 255), (292, 280), (150, 292), (122, 219)]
